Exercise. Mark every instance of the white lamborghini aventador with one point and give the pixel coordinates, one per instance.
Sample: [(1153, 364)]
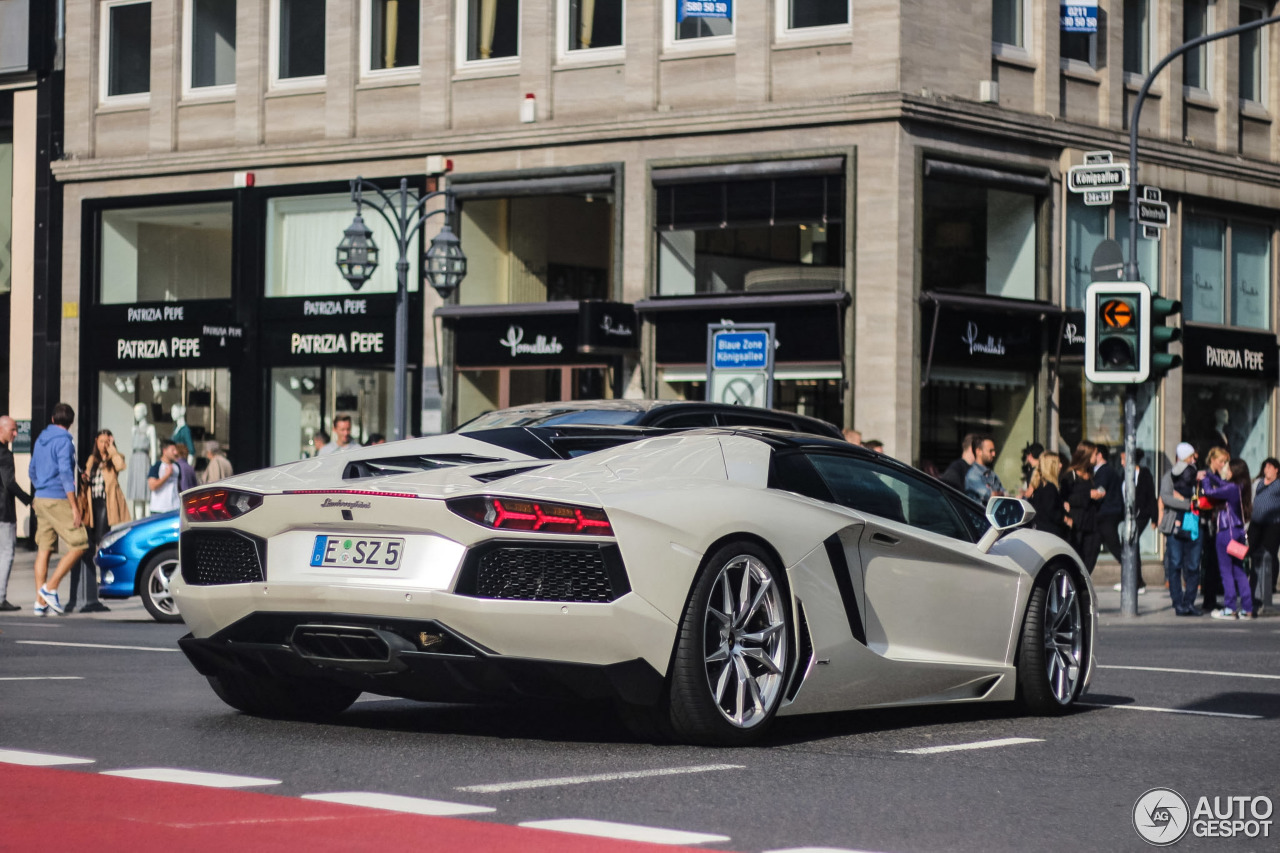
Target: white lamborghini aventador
[(706, 581)]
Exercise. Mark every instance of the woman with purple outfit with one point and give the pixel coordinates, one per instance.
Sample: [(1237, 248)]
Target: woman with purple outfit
[(1228, 482)]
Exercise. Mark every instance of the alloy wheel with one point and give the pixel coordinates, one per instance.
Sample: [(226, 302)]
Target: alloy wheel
[(158, 587), (745, 641), (1063, 637)]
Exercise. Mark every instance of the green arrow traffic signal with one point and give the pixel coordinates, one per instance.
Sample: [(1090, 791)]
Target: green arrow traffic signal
[(1161, 335)]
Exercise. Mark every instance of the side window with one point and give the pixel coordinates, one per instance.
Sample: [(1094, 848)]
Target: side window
[(686, 420), (753, 419), (883, 491), (974, 521), (793, 472)]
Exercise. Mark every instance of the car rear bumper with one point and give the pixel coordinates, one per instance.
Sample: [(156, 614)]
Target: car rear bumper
[(418, 659)]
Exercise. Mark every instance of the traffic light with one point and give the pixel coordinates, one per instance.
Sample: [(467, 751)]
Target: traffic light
[(1117, 336), (1161, 335)]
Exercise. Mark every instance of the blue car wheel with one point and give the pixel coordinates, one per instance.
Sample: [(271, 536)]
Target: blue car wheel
[(157, 573)]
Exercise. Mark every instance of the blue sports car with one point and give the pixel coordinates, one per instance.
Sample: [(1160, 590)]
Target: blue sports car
[(139, 558)]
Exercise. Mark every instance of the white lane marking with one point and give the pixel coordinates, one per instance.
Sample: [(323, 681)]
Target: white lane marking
[(816, 850), (191, 777), (38, 759), (624, 831), (392, 802), (599, 777), (1171, 711), (1188, 671), (981, 744), (34, 623), (93, 646), (42, 678)]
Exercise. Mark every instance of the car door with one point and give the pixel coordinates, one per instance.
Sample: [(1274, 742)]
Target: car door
[(931, 595)]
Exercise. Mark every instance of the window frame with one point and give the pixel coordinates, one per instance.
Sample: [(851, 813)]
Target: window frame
[(671, 44), (1263, 90), (190, 91), (1230, 221), (136, 99), (784, 32), (1015, 51), (502, 63), (367, 71), (1204, 52), (565, 56), (1148, 40), (274, 81)]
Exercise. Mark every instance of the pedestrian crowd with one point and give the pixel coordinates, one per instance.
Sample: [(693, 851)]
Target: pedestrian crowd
[(75, 505), (1082, 500)]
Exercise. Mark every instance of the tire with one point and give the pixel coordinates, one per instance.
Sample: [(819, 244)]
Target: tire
[(153, 585), (282, 698), (733, 651), (1053, 648)]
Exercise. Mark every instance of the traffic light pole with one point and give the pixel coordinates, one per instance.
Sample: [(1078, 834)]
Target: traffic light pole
[(1129, 566)]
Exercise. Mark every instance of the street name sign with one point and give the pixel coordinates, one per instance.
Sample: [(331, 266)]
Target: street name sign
[(1103, 176)]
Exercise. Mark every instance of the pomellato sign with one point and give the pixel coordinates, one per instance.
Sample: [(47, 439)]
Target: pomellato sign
[(990, 340), (515, 342)]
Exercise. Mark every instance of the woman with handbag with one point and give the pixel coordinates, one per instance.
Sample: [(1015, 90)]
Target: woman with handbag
[(1228, 481), (103, 504)]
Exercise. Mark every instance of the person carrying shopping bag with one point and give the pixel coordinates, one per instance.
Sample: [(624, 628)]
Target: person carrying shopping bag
[(1228, 481)]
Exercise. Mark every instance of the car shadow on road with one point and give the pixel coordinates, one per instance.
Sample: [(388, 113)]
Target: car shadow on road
[(1232, 704)]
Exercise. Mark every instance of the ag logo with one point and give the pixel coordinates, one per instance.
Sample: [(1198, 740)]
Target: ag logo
[(1161, 816)]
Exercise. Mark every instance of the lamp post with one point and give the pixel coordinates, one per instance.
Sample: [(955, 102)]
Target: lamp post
[(445, 267), (1129, 567)]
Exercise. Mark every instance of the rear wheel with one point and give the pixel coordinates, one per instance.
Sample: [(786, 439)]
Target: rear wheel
[(153, 584), (284, 698), (733, 650), (1051, 659)]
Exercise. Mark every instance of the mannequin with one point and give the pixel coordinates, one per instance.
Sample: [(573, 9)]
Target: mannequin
[(1221, 417), (182, 432), (142, 453)]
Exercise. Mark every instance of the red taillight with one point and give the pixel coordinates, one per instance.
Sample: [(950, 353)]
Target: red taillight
[(535, 516), (219, 504)]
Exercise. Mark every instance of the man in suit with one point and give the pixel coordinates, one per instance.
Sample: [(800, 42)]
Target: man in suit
[(1108, 497), (9, 489)]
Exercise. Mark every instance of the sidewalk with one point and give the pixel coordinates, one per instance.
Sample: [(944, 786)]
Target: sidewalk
[(22, 592)]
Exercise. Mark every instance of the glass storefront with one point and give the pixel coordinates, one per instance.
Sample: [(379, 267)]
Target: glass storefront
[(305, 400), (980, 240), (1087, 227), (1231, 413), (481, 391), (167, 254)]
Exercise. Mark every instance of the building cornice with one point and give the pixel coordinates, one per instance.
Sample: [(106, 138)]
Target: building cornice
[(967, 116)]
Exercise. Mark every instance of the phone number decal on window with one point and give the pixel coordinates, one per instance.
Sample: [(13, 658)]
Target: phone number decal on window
[(705, 8)]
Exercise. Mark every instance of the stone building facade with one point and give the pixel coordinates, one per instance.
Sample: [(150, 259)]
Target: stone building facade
[(884, 180)]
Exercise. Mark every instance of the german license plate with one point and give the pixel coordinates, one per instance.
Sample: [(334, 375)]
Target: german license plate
[(357, 552)]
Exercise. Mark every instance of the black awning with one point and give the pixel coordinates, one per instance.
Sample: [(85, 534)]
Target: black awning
[(983, 333), (540, 333), (664, 304), (987, 176), (808, 326), (741, 171), (600, 182)]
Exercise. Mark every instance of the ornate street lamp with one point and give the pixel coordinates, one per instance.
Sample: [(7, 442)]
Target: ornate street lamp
[(357, 258), (357, 253), (446, 265)]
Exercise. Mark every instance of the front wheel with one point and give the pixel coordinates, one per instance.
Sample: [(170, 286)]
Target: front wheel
[(1051, 659), (153, 584), (732, 654)]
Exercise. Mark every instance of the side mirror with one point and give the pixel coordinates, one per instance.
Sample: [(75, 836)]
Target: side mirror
[(1005, 514)]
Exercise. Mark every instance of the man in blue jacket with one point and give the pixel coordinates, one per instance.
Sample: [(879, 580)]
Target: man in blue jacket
[(53, 481)]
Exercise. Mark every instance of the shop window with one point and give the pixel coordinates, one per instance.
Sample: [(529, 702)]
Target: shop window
[(1008, 23), (590, 27), (1195, 63), (1231, 413), (753, 235), (492, 29), (297, 49), (1216, 251), (1087, 227), (305, 400), (302, 233), (126, 54), (1253, 54), (211, 43), (698, 20), (961, 399), (391, 29), (200, 397), (979, 240), (537, 249), (809, 15), (1080, 49), (166, 254), (1137, 36)]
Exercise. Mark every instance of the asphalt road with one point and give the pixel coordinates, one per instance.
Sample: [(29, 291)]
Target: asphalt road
[(837, 781)]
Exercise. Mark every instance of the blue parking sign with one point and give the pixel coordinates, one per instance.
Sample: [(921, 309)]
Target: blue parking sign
[(703, 9)]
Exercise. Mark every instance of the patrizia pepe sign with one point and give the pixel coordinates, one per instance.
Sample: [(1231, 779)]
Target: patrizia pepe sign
[(1229, 352)]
